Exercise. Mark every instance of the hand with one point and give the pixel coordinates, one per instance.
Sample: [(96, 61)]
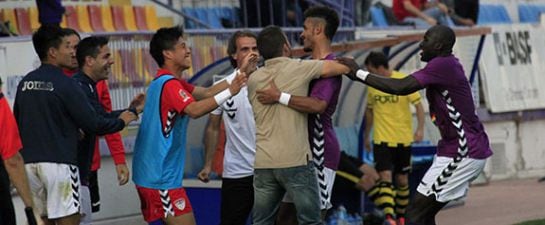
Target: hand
[(138, 102), (443, 8), (270, 95), (351, 64), (365, 183), (418, 135), (128, 116), (249, 63), (238, 83), (122, 174), (31, 219), (367, 143), (204, 175)]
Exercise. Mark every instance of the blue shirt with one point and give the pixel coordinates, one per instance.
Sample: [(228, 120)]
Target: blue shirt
[(159, 154)]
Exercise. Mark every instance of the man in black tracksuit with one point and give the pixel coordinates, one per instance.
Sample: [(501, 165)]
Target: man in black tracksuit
[(50, 109), (94, 60)]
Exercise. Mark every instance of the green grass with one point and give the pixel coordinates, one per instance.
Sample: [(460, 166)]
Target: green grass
[(533, 222)]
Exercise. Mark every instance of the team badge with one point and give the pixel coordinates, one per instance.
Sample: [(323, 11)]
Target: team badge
[(184, 96), (180, 204)]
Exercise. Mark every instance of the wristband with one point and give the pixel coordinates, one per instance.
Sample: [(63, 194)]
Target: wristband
[(30, 216), (362, 74), (133, 110), (222, 96), (284, 98)]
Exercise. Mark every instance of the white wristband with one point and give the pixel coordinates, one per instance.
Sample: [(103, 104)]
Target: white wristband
[(284, 98), (222, 96), (362, 74)]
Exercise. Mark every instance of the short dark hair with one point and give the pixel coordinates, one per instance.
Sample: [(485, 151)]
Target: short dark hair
[(164, 39), (46, 37), (444, 35), (377, 59), (232, 46), (70, 31), (270, 42), (89, 46), (329, 15)]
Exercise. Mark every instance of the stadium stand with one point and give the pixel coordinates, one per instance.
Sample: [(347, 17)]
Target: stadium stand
[(84, 23), (530, 13), (493, 14), (23, 21), (8, 15)]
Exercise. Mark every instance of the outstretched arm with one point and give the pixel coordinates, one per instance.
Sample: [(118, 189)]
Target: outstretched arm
[(404, 86)]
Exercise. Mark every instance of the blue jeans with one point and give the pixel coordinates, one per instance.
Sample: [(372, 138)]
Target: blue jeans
[(433, 12), (300, 182)]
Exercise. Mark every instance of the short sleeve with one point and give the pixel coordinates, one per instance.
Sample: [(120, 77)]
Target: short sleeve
[(175, 96), (9, 134), (431, 74), (187, 86), (414, 98), (370, 99), (311, 69)]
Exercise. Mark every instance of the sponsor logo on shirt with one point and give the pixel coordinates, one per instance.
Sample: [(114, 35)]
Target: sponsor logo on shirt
[(184, 96), (38, 86)]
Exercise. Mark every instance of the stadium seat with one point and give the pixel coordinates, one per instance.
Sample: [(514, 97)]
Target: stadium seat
[(107, 22), (378, 17), (96, 18), (128, 15), (140, 17), (8, 14), (529, 13), (33, 14), (117, 16), (71, 18), (493, 14), (23, 21), (189, 24), (83, 19), (151, 18)]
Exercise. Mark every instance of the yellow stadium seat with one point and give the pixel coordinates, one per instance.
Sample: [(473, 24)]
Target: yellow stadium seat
[(83, 19), (9, 15), (106, 13), (151, 18), (128, 15), (34, 23)]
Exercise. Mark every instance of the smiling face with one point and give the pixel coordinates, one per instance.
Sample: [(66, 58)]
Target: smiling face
[(428, 47), (101, 65), (64, 54), (181, 54)]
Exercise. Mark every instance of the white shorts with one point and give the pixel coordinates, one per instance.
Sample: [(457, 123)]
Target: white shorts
[(325, 188), (55, 189), (447, 184)]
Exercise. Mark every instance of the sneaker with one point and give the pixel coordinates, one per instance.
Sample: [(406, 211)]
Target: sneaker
[(389, 221), (401, 221)]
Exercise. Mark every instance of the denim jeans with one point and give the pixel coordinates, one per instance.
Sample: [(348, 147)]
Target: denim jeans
[(433, 12), (300, 182)]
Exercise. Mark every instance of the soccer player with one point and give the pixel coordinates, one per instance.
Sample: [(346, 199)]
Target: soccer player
[(464, 145), (320, 25), (159, 152), (391, 119), (283, 157)]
